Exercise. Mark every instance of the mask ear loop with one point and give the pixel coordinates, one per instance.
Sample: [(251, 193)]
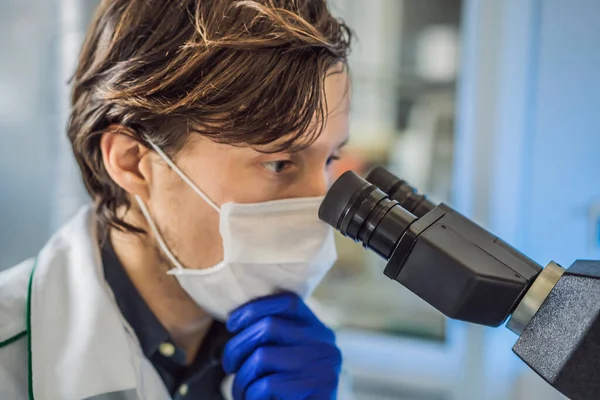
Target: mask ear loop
[(183, 176), (161, 243), (165, 249)]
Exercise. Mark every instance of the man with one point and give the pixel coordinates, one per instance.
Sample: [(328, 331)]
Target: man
[(204, 130)]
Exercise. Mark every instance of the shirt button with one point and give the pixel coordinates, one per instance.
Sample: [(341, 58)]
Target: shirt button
[(166, 349), (184, 389)]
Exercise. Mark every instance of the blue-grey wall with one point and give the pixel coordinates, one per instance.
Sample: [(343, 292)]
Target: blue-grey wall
[(564, 145), (27, 126), (38, 50)]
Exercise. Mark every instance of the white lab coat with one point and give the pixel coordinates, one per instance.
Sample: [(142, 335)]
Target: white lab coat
[(62, 335)]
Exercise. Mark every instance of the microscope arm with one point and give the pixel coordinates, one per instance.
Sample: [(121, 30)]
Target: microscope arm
[(468, 274)]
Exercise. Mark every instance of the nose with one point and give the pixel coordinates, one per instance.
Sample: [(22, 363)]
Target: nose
[(315, 184)]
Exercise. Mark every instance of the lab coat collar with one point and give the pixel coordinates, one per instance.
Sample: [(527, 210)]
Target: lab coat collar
[(79, 346)]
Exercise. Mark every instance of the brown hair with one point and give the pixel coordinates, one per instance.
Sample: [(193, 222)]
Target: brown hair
[(239, 72)]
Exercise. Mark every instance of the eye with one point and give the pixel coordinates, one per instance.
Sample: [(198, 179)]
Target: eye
[(332, 159), (278, 166)]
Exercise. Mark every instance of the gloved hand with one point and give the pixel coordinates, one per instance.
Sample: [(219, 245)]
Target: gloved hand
[(281, 351)]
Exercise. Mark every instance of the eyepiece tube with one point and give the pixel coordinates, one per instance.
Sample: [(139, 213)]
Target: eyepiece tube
[(362, 212), (399, 190), (446, 259)]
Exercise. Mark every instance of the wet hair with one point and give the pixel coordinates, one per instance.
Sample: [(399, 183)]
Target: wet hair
[(245, 73)]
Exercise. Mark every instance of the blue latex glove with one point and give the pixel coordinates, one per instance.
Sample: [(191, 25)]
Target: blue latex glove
[(281, 351)]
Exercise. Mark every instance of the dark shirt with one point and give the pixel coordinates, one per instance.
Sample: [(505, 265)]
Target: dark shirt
[(199, 380)]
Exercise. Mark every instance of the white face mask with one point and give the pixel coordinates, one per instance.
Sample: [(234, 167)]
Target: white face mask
[(267, 248)]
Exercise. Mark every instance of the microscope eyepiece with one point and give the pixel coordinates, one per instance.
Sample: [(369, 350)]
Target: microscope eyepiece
[(443, 257), (399, 190), (469, 274), (361, 211)]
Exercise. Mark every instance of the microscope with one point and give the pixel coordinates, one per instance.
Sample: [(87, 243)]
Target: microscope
[(470, 275)]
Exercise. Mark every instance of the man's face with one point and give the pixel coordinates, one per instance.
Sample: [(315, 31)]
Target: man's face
[(228, 173)]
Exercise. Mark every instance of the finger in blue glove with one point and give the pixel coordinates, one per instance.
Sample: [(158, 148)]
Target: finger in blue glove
[(284, 386), (271, 331), (286, 305), (318, 364), (281, 350)]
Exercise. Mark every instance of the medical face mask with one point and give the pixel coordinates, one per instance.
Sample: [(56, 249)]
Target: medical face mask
[(268, 248)]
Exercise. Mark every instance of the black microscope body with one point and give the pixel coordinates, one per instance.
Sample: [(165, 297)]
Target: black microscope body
[(468, 274)]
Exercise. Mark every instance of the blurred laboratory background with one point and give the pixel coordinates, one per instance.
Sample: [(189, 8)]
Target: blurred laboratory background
[(488, 105)]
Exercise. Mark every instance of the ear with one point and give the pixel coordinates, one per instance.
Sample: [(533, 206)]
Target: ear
[(125, 160)]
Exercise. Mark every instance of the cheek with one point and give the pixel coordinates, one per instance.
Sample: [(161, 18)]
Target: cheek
[(189, 226), (242, 182)]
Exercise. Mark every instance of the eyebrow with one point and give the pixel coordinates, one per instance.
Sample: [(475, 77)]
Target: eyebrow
[(309, 148), (344, 143)]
